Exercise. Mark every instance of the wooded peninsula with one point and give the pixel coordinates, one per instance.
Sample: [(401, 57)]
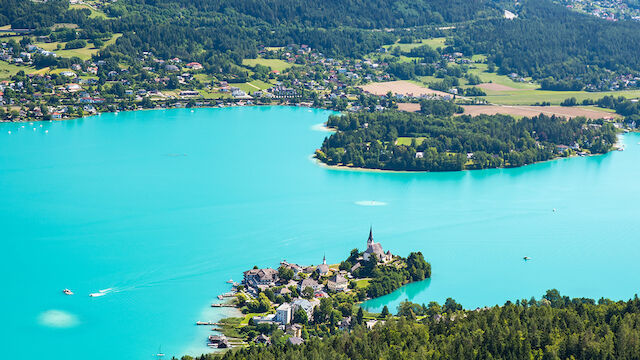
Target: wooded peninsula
[(436, 140)]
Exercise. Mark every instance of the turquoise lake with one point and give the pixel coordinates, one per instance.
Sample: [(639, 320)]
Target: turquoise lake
[(164, 206)]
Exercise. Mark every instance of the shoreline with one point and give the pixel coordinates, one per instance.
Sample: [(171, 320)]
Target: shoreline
[(615, 147)]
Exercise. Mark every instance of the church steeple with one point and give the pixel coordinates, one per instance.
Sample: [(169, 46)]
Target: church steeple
[(370, 240), (324, 259)]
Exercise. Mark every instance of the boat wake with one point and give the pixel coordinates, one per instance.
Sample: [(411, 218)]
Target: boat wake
[(370, 203)]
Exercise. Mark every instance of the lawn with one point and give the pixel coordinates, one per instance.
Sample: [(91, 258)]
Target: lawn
[(529, 97), (7, 70), (433, 42), (363, 283), (487, 77), (407, 140), (94, 13), (274, 64), (84, 53)]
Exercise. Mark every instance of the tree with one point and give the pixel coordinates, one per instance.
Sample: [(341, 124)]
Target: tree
[(300, 317), (385, 312), (451, 306), (308, 292), (359, 316), (285, 274)]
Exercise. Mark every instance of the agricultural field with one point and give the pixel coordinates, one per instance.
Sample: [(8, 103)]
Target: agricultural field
[(529, 97), (402, 87), (84, 53), (529, 111), (433, 42), (8, 70), (275, 64)]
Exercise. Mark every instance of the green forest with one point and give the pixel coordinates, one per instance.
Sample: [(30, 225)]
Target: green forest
[(439, 142), (548, 42), (553, 327)]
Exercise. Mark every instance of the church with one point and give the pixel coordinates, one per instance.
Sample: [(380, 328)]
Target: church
[(376, 248)]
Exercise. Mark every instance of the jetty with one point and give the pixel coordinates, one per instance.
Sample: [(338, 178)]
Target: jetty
[(209, 323), (222, 305)]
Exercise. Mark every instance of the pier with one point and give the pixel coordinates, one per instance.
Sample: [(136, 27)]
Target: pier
[(223, 305), (209, 323)]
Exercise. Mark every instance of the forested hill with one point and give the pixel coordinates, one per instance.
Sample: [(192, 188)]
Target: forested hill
[(562, 49), (368, 14), (548, 41)]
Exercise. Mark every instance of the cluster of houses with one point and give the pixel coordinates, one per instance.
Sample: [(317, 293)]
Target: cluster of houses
[(259, 280)]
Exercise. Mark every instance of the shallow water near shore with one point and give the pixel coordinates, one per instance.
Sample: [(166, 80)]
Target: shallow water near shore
[(165, 206)]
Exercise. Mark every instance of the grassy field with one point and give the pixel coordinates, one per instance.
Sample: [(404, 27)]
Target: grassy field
[(487, 77), (363, 283), (8, 70), (84, 53), (274, 64), (434, 43), (94, 13), (528, 97), (407, 140)]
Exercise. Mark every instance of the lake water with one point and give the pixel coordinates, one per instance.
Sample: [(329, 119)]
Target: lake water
[(164, 206)]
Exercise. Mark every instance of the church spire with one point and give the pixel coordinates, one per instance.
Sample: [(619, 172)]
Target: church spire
[(370, 240), (324, 259)]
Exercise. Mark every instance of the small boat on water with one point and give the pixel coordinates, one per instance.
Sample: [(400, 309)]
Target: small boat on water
[(230, 281), (97, 294), (67, 292), (526, 258), (220, 297)]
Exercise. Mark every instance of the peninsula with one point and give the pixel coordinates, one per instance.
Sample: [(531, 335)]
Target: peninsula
[(436, 140), (294, 303)]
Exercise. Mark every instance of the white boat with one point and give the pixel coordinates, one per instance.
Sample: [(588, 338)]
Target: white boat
[(230, 281), (97, 294), (526, 258), (67, 292)]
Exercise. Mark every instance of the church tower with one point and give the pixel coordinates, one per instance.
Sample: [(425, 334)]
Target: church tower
[(370, 240)]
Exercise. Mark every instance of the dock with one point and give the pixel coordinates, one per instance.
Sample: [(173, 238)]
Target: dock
[(209, 323), (223, 305)]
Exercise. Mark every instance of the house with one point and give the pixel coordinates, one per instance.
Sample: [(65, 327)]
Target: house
[(73, 87), (371, 323), (294, 330), (374, 248), (337, 283), (56, 116), (419, 155), (309, 283), (194, 66), (267, 319), (283, 291), (305, 305), (171, 67), (283, 314), (345, 323), (294, 340), (323, 269), (255, 277), (70, 74), (262, 339)]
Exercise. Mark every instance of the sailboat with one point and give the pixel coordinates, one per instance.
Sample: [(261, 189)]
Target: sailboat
[(160, 354)]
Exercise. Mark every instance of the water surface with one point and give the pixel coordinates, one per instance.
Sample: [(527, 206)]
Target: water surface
[(165, 206)]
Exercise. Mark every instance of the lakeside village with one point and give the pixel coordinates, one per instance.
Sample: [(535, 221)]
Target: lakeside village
[(78, 88), (50, 87), (292, 303)]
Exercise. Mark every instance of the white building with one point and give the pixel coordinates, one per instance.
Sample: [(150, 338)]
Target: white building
[(283, 314)]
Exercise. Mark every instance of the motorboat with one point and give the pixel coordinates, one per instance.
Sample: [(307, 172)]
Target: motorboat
[(230, 281), (97, 294), (526, 258), (67, 292)]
